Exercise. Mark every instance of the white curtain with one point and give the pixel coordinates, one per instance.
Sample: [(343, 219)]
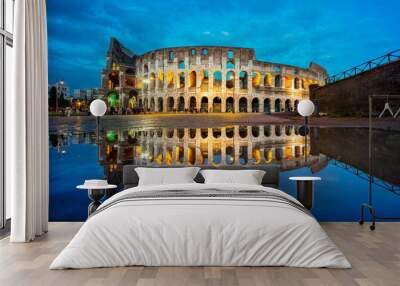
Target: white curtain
[(27, 124)]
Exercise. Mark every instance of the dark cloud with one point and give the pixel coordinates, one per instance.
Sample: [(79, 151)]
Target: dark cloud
[(336, 34)]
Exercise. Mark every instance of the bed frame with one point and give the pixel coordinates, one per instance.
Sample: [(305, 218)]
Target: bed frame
[(271, 178)]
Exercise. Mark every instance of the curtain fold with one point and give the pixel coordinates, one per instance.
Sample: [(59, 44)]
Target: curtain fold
[(27, 124)]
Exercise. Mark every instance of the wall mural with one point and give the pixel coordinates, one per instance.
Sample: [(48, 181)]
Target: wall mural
[(209, 104)]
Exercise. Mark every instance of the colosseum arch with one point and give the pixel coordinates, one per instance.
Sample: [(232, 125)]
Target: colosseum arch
[(229, 132), (170, 79), (145, 68), (288, 105), (192, 80), (152, 105), (278, 80), (152, 81), (268, 155), (296, 103), (256, 79), (255, 105), (278, 130), (216, 133), (267, 105), (230, 104), (255, 131), (217, 105), (161, 80), (181, 104), (204, 133), (192, 133), (288, 130), (242, 131), (243, 80), (217, 81), (170, 104), (160, 104), (181, 80), (268, 80), (267, 130), (278, 105), (279, 154), (230, 64), (230, 79), (191, 155), (243, 155), (217, 156), (204, 80), (146, 104), (243, 104), (146, 82), (230, 155), (204, 104), (296, 83), (192, 104), (180, 133), (256, 154)]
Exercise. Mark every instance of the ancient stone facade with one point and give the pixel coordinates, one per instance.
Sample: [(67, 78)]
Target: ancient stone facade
[(203, 79)]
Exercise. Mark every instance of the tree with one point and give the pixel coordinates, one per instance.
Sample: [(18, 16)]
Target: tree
[(52, 98)]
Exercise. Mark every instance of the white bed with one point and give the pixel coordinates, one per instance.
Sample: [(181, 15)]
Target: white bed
[(202, 231)]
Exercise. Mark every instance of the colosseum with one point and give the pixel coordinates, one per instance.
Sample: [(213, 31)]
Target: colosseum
[(203, 79)]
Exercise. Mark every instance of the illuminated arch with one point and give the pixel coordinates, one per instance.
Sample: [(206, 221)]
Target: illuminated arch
[(243, 80), (170, 79), (256, 79), (192, 79), (230, 79)]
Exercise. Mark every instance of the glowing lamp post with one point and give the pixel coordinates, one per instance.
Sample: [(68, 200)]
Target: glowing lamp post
[(305, 109), (98, 108)]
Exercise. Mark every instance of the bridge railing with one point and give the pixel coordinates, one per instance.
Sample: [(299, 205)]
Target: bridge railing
[(369, 65)]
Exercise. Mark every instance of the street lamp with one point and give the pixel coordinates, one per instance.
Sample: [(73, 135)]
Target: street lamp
[(98, 108), (305, 108)]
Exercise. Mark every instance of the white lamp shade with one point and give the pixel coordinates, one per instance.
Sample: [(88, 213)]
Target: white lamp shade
[(98, 107), (305, 107)]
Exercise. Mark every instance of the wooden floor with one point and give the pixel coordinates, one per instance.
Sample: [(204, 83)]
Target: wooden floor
[(375, 257)]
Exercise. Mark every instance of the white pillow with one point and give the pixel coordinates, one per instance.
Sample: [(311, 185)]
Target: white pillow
[(248, 177), (166, 176)]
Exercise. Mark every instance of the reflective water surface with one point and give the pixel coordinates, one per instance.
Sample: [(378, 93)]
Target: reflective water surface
[(338, 155)]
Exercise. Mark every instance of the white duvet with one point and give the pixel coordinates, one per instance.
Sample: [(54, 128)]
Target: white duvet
[(202, 232)]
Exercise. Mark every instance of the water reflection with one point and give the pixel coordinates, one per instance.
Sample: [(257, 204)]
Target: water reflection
[(230, 145), (241, 145), (338, 155)]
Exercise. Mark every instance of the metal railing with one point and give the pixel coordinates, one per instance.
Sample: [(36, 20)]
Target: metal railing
[(395, 189), (369, 65)]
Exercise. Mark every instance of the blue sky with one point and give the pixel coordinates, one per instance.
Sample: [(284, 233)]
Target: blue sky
[(336, 34)]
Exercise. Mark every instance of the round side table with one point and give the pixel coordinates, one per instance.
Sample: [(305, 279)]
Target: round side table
[(95, 193), (305, 190)]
